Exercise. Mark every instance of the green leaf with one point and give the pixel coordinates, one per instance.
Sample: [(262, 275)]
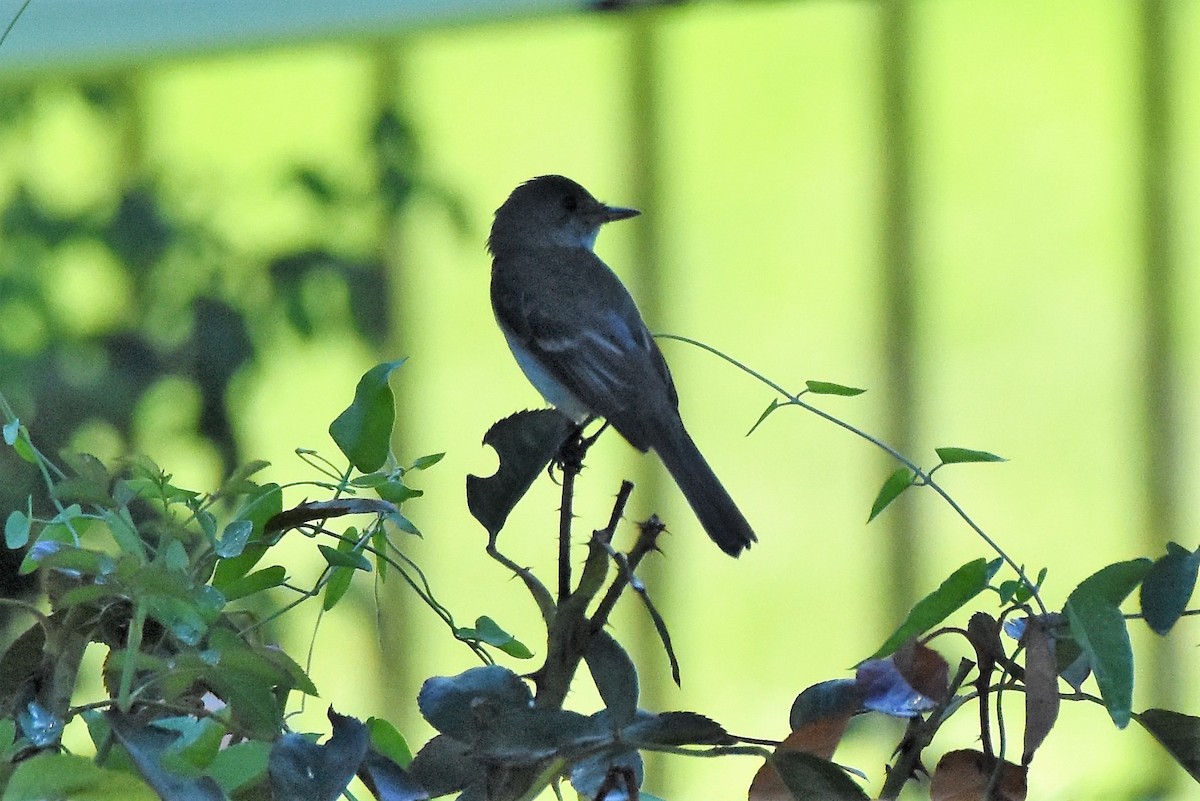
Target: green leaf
[(897, 483), (62, 776), (403, 523), (124, 532), (1094, 614), (1178, 733), (426, 462), (264, 504), (830, 388), (336, 586), (340, 557), (961, 586), (525, 443), (239, 482), (257, 581), (1168, 587), (11, 429), (963, 455), (363, 431), (396, 492), (239, 764), (388, 741), (771, 407), (20, 444), (234, 538), (16, 530), (488, 631)]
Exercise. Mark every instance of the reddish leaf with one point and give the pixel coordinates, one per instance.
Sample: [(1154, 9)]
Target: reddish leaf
[(319, 510), (1041, 686), (924, 669), (964, 776)]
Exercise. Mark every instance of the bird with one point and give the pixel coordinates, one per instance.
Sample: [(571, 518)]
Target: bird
[(577, 334)]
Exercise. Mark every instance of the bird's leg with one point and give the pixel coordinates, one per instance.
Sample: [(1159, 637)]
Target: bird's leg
[(587, 442)]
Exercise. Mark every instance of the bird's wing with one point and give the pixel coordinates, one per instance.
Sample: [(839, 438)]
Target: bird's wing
[(604, 356)]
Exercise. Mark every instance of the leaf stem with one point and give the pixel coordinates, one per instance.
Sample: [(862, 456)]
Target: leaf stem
[(923, 477)]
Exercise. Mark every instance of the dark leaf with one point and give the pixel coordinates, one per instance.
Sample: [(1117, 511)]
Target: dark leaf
[(445, 765), (896, 483), (363, 431), (1168, 587), (1041, 686), (525, 443), (983, 632), (675, 728), (39, 725), (803, 776), (387, 781), (301, 770), (612, 769), (615, 677), (452, 704), (835, 698), (961, 586), (1178, 733)]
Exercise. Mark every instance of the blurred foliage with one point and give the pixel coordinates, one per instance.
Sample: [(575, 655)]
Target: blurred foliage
[(167, 581), (195, 696), (180, 317)]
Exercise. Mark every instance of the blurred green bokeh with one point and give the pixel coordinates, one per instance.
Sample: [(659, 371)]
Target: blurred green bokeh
[(330, 201)]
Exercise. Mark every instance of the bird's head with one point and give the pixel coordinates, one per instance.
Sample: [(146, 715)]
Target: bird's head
[(551, 211)]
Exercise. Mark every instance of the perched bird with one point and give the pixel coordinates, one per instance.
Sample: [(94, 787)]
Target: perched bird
[(580, 339)]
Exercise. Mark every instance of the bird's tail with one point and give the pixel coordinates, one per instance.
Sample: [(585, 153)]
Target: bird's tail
[(717, 512)]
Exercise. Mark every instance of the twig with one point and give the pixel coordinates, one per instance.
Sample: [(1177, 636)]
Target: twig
[(922, 476)]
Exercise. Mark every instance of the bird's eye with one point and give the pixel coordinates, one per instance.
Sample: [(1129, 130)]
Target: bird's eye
[(570, 203)]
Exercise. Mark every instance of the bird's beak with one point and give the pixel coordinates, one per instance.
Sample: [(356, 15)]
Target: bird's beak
[(613, 213)]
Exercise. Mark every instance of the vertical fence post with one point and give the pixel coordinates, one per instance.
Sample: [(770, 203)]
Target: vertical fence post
[(1159, 347), (897, 284)]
